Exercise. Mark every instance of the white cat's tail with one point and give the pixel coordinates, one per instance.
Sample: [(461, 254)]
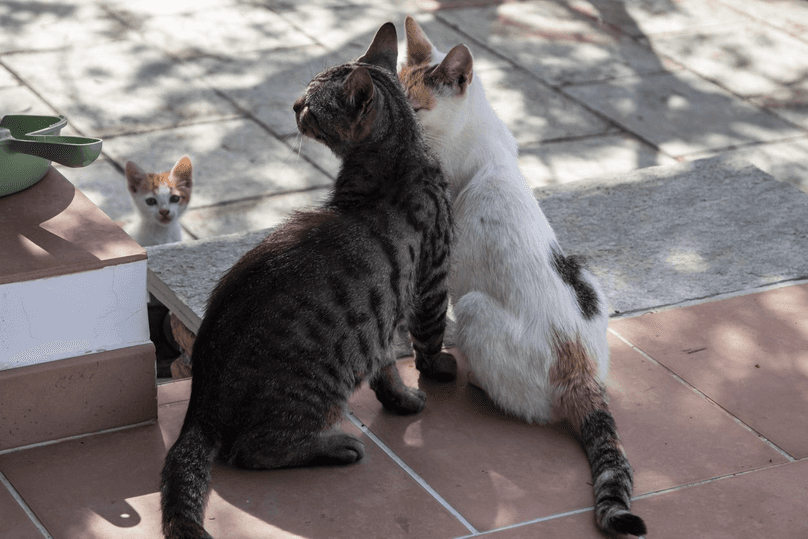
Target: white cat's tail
[(582, 400)]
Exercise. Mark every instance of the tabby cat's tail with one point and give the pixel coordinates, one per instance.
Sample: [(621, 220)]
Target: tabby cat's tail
[(184, 485), (611, 474)]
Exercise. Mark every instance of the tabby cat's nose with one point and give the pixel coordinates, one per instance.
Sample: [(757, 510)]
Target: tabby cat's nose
[(298, 106)]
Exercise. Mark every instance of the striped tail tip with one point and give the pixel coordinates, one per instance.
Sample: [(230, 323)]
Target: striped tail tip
[(623, 523)]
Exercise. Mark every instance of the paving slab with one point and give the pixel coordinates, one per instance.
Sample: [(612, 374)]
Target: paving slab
[(232, 159), (788, 15), (21, 100), (249, 214), (748, 59), (267, 84), (535, 112), (640, 18), (570, 160), (663, 235), (682, 113), (554, 42), (54, 25), (119, 87), (7, 80), (236, 29)]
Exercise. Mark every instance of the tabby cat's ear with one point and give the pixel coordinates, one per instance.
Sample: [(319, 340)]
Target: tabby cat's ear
[(456, 69), (134, 176), (384, 49), (419, 48), (182, 172), (358, 88)]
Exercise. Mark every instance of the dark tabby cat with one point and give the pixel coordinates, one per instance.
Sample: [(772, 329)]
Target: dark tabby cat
[(297, 324)]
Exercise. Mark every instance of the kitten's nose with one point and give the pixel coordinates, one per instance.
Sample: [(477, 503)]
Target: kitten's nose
[(164, 212), (299, 104)]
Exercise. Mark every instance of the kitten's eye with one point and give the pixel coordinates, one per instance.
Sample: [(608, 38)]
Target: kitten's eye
[(174, 199), (151, 201)]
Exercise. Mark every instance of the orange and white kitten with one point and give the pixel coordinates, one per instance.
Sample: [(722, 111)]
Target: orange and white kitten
[(160, 200), (531, 320)]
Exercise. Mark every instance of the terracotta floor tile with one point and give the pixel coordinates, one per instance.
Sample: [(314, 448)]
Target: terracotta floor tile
[(15, 523), (175, 391), (749, 354), (764, 503), (497, 471), (107, 486)]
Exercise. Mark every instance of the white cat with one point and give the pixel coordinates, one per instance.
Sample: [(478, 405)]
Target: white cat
[(160, 199), (531, 321)]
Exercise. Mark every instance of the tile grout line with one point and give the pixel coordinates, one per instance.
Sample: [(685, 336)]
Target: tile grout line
[(75, 437), (796, 281), (24, 506), (418, 479), (534, 521), (681, 380)]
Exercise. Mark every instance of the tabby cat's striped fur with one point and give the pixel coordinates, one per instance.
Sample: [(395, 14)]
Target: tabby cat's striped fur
[(297, 324), (531, 321)]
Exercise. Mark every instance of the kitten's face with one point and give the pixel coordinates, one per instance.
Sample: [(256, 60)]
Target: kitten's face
[(340, 106), (161, 198), (436, 84)]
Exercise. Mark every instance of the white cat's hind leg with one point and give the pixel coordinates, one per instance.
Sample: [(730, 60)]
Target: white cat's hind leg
[(509, 365)]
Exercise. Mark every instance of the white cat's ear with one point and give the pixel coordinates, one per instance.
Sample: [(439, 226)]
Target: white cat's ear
[(134, 176), (359, 89), (182, 172), (419, 48), (383, 51), (457, 69)]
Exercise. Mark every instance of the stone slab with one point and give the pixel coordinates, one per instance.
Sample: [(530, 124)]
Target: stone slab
[(554, 42), (664, 235), (21, 100), (682, 113), (7, 79), (118, 87), (788, 15)]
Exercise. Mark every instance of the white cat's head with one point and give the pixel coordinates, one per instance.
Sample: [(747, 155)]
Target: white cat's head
[(163, 197), (437, 84)]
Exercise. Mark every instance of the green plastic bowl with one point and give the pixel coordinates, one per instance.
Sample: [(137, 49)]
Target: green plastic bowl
[(40, 135)]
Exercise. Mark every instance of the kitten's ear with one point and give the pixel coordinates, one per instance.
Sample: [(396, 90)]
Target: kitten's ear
[(182, 172), (134, 176), (359, 89), (457, 68), (419, 48), (383, 51)]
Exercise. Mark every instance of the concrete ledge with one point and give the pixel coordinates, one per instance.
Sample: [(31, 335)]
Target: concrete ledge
[(79, 395), (665, 235)]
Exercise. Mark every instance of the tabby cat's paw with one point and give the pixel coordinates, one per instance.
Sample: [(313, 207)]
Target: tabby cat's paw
[(441, 369), (409, 401), (342, 449)]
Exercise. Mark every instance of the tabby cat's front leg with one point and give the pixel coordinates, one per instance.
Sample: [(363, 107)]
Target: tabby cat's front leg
[(427, 328), (393, 394)]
